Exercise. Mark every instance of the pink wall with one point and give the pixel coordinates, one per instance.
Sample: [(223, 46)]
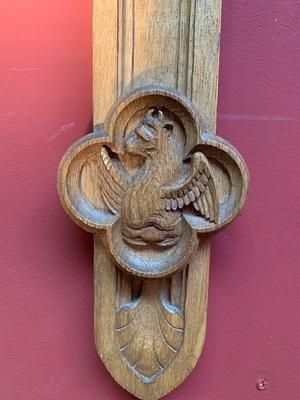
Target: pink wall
[(46, 282)]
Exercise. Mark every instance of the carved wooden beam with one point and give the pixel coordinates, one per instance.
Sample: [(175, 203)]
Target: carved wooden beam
[(151, 183)]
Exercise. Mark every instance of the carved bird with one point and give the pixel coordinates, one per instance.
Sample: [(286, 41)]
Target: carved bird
[(151, 201)]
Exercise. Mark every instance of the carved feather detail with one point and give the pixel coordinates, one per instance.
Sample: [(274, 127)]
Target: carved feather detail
[(113, 184), (150, 332), (199, 190)]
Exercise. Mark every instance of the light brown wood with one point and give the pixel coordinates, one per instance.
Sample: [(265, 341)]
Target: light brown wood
[(151, 183), (195, 318), (169, 42)]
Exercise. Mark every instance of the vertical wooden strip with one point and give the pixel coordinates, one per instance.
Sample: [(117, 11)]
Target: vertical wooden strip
[(197, 283), (205, 66), (175, 43), (120, 46), (105, 39), (191, 50), (176, 289), (125, 45), (183, 45), (155, 34)]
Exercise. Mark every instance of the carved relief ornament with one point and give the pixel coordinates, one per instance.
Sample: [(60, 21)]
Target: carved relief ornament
[(151, 185)]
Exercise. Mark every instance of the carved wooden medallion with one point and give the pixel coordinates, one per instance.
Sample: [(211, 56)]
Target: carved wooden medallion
[(152, 182), (152, 179)]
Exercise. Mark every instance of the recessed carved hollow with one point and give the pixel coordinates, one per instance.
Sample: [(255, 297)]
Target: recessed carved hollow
[(158, 180), (156, 183)]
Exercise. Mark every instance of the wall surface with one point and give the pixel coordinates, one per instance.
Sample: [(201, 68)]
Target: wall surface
[(46, 278)]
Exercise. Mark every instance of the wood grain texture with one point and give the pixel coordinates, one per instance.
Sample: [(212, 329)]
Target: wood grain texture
[(152, 179), (153, 175), (195, 319), (170, 42), (174, 43)]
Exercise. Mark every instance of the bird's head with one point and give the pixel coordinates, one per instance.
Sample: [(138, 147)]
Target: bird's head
[(145, 139)]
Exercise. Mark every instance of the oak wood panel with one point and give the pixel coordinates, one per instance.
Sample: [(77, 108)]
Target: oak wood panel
[(174, 43)]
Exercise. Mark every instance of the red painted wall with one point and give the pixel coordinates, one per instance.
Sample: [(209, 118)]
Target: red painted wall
[(46, 282)]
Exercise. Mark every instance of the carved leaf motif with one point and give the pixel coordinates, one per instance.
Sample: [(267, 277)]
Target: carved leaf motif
[(150, 332), (199, 190)]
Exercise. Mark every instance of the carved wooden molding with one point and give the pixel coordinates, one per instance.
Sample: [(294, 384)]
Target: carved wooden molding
[(151, 183)]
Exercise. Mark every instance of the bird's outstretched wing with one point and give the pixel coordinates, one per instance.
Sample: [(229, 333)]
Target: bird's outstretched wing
[(113, 183), (199, 190)]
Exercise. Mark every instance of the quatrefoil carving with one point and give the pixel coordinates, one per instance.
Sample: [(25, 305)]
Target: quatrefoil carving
[(150, 183), (153, 179)]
